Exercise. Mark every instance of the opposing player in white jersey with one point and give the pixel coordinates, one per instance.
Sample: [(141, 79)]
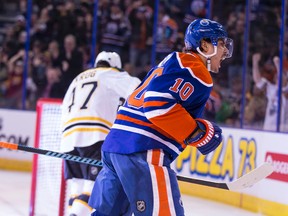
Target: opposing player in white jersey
[(88, 112)]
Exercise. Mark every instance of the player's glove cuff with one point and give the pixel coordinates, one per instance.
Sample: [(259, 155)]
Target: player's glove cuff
[(206, 137)]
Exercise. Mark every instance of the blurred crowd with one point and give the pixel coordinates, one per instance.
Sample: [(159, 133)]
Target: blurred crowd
[(237, 95), (61, 37), (61, 33)]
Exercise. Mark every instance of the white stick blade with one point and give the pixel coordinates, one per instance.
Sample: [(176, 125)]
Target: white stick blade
[(251, 178)]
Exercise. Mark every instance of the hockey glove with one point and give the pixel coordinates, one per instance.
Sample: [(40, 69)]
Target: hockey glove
[(206, 137)]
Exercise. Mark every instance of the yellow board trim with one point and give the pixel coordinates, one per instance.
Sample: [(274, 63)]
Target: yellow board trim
[(240, 200), (16, 165)]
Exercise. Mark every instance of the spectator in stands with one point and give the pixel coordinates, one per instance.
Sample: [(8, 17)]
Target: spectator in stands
[(13, 86), (80, 30), (3, 73), (71, 62), (197, 8), (66, 19), (167, 33), (141, 20), (229, 111), (40, 26), (19, 26), (52, 88), (255, 109), (53, 54), (265, 76), (88, 22), (176, 9), (9, 46), (115, 31), (236, 27), (22, 38), (38, 64)]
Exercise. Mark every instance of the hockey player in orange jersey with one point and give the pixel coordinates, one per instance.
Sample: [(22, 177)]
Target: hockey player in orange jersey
[(159, 119)]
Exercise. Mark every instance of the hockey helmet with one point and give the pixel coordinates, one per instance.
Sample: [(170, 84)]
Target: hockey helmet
[(110, 57), (206, 29)]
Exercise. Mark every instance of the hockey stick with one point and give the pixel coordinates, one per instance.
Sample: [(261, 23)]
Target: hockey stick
[(245, 181), (64, 156)]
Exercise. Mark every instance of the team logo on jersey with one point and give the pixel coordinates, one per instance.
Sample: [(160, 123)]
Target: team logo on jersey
[(141, 205), (94, 170), (204, 22)]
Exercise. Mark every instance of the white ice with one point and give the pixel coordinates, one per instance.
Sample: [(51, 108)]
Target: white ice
[(15, 198)]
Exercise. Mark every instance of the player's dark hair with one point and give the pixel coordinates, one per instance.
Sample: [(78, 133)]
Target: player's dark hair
[(201, 49), (102, 64), (106, 64)]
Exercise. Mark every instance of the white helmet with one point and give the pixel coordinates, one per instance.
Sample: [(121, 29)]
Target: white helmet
[(111, 57)]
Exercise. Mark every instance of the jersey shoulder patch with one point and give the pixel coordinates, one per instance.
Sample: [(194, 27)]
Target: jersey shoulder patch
[(196, 67)]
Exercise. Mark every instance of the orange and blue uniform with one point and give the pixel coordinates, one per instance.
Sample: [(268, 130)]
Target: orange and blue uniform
[(160, 113), (147, 135)]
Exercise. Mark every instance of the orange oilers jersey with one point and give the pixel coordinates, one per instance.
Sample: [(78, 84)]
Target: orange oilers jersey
[(160, 113)]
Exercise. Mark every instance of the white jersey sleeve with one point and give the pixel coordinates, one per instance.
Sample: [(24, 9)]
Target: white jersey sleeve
[(90, 105), (262, 82)]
